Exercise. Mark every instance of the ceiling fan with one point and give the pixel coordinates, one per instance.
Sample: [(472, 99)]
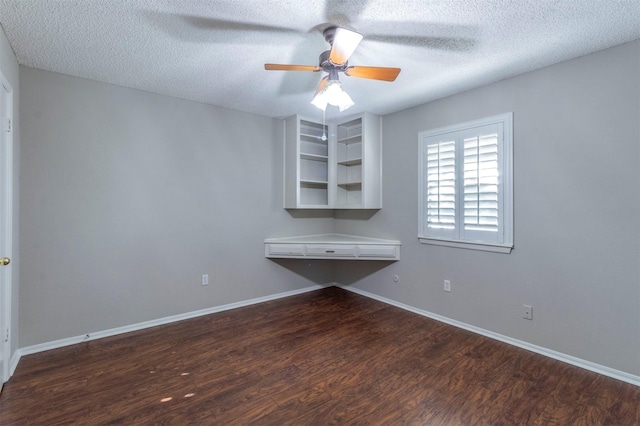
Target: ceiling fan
[(334, 61)]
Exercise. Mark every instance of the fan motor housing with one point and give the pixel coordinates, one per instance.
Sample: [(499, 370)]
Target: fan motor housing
[(326, 64)]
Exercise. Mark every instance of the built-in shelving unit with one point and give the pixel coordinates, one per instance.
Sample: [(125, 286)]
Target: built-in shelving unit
[(349, 163), (314, 164), (336, 166)]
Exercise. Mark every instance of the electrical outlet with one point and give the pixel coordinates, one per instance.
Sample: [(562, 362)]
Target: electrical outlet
[(527, 312), (447, 285), (205, 279)]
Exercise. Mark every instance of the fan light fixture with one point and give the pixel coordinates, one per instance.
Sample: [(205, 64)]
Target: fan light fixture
[(329, 92), (332, 94)]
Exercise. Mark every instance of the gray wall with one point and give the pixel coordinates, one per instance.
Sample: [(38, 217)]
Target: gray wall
[(10, 69), (128, 197), (577, 213)]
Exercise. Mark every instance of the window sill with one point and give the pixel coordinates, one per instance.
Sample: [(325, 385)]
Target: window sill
[(494, 248)]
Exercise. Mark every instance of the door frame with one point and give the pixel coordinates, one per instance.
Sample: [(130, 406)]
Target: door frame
[(6, 201)]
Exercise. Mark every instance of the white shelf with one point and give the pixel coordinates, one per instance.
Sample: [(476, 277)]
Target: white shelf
[(312, 137), (312, 129), (332, 246), (350, 184), (313, 157), (353, 162), (351, 139), (313, 182)]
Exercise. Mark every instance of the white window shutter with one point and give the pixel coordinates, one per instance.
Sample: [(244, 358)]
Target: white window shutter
[(441, 185), (466, 193), (481, 186)]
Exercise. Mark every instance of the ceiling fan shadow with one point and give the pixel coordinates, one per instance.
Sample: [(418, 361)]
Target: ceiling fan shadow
[(342, 12), (454, 44), (298, 82), (200, 29), (456, 38)]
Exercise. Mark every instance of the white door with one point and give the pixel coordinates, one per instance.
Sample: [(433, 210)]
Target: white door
[(6, 194)]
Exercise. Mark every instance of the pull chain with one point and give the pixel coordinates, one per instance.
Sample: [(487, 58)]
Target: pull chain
[(324, 127)]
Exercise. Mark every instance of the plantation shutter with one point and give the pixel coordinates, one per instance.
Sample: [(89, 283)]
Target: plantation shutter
[(481, 184), (441, 188), (465, 186)]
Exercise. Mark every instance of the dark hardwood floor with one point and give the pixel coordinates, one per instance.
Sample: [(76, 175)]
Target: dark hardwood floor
[(325, 357)]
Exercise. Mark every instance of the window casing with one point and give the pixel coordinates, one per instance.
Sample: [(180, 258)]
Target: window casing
[(466, 185)]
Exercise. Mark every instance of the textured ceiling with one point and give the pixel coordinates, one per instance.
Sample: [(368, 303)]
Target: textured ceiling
[(214, 51)]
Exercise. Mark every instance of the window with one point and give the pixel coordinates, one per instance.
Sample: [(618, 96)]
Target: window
[(466, 190)]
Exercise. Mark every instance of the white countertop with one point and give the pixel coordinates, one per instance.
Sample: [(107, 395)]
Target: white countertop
[(330, 239)]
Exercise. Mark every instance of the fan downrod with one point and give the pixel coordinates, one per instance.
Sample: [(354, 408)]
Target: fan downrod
[(330, 34)]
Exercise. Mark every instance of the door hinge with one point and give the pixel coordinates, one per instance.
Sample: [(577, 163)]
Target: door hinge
[(6, 124), (6, 337)]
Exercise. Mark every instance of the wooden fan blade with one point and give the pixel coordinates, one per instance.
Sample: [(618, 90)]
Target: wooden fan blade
[(284, 67), (323, 83), (343, 46), (373, 73)]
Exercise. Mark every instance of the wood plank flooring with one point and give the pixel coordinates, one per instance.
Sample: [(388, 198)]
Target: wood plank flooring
[(320, 358)]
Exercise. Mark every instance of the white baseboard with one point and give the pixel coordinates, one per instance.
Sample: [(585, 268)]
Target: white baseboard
[(13, 363), (588, 365), (28, 350), (578, 362)]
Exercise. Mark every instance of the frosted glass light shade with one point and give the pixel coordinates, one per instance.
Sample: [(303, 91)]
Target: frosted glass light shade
[(332, 94)]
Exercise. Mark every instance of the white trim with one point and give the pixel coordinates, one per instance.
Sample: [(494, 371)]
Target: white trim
[(28, 350), (7, 191), (15, 359), (495, 248), (578, 362), (588, 365)]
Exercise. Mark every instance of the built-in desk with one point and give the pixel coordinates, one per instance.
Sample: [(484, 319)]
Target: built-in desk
[(332, 246)]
